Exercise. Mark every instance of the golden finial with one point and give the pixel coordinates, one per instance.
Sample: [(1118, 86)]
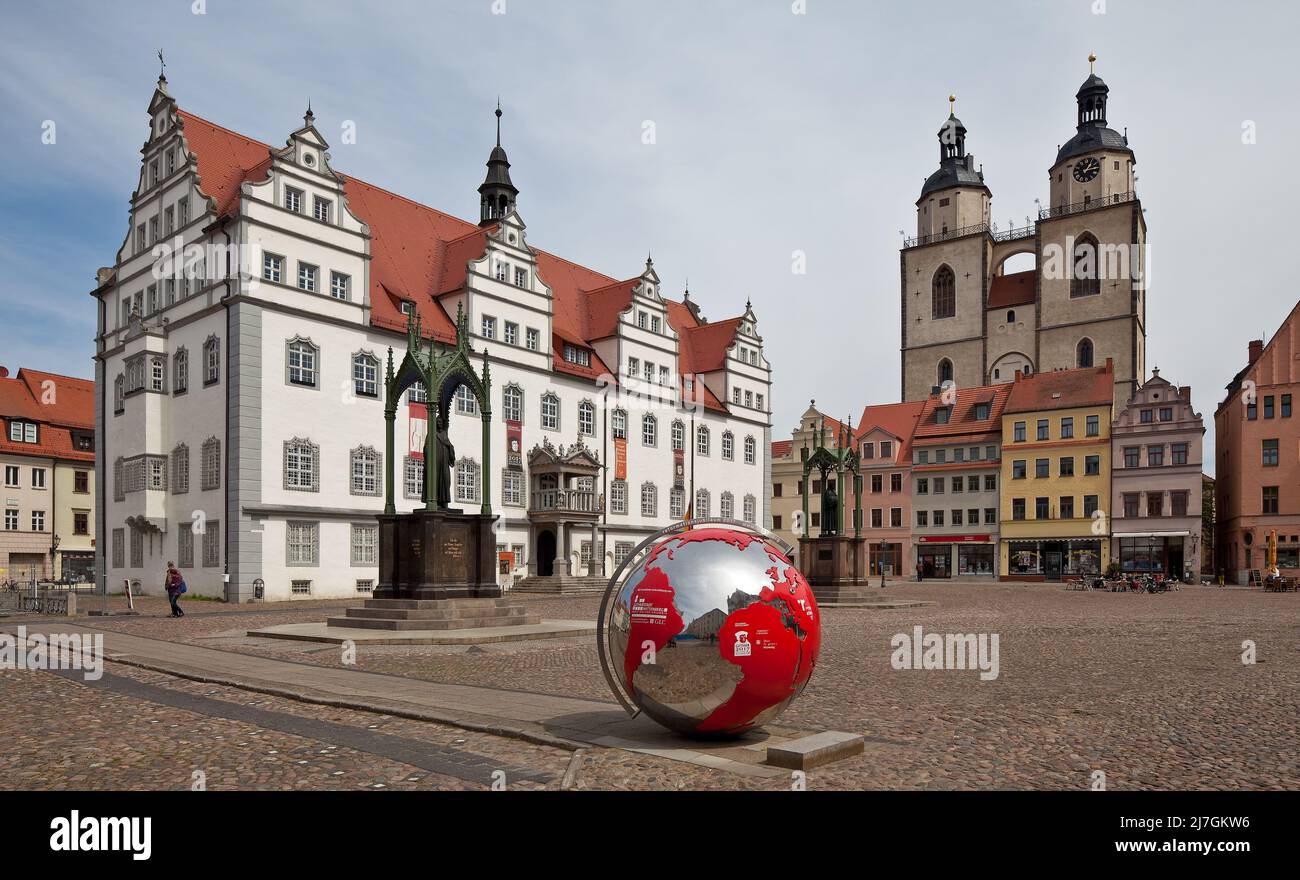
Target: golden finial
[(952, 105), (1092, 59)]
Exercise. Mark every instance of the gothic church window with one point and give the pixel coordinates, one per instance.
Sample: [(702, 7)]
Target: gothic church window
[(944, 294)]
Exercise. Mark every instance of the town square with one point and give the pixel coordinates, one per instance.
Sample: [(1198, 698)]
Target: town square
[(884, 399)]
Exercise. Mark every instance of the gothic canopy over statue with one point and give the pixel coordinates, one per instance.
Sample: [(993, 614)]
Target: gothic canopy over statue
[(441, 375)]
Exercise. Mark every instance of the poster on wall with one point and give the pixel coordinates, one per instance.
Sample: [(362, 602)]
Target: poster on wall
[(679, 469), (514, 445), (419, 426), (620, 458)]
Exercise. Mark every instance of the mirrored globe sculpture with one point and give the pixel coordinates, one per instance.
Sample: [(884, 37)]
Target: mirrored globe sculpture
[(714, 631)]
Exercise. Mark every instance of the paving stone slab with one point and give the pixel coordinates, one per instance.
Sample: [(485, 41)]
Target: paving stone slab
[(807, 752)]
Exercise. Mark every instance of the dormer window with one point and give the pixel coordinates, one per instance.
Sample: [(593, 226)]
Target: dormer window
[(22, 432), (942, 414), (407, 307), (575, 355), (981, 411)]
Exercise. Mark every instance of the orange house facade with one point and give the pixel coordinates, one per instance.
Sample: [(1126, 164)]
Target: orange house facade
[(1257, 446)]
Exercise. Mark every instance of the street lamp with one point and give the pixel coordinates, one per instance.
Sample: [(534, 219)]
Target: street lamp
[(54, 549), (880, 563)]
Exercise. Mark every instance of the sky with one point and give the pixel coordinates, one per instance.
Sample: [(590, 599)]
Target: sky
[(722, 136)]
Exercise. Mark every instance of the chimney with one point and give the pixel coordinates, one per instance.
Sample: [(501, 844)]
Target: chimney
[(1254, 350), (934, 390), (1019, 375), (1110, 365), (1185, 392), (4, 372)]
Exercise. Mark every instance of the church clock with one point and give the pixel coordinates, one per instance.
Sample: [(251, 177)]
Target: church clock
[(1086, 169)]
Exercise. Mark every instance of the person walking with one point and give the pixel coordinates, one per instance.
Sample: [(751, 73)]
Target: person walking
[(920, 572), (175, 585)]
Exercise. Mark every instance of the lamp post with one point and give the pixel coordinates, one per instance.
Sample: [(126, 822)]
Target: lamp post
[(54, 549), (880, 562)]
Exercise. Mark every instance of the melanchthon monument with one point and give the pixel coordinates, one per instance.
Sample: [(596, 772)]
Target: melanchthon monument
[(833, 559), (436, 552)]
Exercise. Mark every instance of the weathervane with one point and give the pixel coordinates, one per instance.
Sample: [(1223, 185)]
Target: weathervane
[(1092, 59), (162, 66)]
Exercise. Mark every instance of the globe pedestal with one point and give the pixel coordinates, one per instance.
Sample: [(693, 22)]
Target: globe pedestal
[(832, 563), (437, 554)]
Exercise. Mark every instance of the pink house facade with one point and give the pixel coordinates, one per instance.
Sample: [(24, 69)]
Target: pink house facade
[(1155, 516)]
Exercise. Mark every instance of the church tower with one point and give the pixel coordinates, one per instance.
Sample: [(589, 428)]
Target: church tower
[(1091, 251), (944, 269), (496, 193), (967, 320)]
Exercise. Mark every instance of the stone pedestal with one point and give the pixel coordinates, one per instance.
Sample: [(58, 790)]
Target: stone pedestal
[(833, 563), (437, 554)]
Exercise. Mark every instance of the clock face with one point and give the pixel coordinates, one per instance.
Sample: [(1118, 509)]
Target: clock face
[(1087, 169)]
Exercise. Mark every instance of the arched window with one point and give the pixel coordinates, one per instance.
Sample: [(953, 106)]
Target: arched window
[(550, 412), (649, 430), (180, 469), (945, 371), (679, 434), (1085, 268), (728, 446), (1011, 316), (211, 476), (301, 465), (649, 499), (512, 403), (181, 371), (211, 360), (750, 449), (466, 402), (944, 294), (728, 506), (300, 359), (618, 424), (364, 471), (586, 419), (701, 503), (702, 440), (1084, 356), (467, 480), (365, 374), (750, 504)]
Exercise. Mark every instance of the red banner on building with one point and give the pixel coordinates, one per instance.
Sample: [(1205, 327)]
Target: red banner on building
[(419, 427), (514, 445), (953, 539), (620, 458), (679, 469)]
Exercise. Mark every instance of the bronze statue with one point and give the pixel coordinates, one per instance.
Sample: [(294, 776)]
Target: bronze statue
[(446, 460), (830, 510)]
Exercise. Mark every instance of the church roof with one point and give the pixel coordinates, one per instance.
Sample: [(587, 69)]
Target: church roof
[(953, 172), (1091, 138), (419, 253), (1016, 289)]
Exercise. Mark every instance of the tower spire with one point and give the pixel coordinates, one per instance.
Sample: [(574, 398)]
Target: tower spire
[(496, 193), (498, 120)]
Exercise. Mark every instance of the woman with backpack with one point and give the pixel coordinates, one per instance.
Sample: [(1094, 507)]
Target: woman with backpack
[(175, 585)]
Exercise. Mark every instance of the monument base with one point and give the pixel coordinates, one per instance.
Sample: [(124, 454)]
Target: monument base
[(832, 563), (437, 554)]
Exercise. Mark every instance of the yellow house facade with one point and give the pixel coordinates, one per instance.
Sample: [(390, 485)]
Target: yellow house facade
[(1056, 475)]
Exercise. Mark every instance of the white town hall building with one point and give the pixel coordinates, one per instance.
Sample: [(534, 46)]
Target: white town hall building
[(243, 334)]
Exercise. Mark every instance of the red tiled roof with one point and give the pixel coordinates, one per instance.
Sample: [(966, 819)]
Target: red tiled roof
[(1060, 389), (1016, 289), (68, 403), (782, 448), (419, 253), (896, 419), (962, 423)]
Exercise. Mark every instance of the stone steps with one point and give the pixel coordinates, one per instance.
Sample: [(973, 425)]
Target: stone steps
[(561, 584), (421, 623), (402, 615)]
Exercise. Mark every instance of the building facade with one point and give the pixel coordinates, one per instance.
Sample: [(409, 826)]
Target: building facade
[(1056, 474), (48, 459), (1155, 506), (243, 332), (1257, 475), (966, 320), (956, 471), (884, 438)]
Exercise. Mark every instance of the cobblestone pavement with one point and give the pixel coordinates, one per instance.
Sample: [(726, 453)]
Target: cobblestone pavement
[(139, 729), (1149, 689)]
